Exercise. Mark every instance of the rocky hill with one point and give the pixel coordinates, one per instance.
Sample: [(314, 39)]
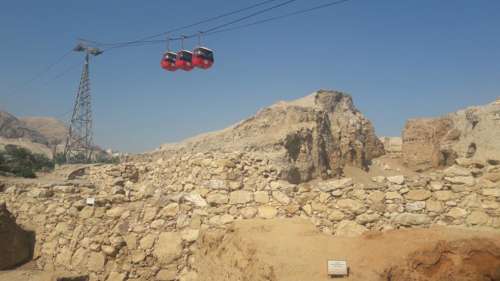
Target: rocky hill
[(13, 128), (473, 133), (52, 129), (312, 137), (42, 135)]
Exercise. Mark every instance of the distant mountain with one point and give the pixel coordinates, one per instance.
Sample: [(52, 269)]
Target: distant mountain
[(52, 129), (13, 128)]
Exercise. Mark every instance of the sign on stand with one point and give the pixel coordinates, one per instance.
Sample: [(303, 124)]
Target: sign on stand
[(337, 268)]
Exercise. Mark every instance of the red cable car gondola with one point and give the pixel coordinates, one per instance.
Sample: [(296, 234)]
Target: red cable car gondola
[(184, 60), (203, 57), (168, 61)]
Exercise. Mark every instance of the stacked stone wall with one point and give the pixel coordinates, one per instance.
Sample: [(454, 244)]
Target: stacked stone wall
[(145, 217)]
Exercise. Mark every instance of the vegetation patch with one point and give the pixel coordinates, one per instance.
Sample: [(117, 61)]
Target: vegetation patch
[(21, 162)]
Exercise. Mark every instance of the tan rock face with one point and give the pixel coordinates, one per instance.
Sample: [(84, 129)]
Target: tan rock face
[(15, 244), (470, 133), (312, 137)]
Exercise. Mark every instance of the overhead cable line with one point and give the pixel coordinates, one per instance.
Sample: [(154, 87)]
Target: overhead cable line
[(214, 31), (296, 13), (213, 28), (41, 73), (185, 26)]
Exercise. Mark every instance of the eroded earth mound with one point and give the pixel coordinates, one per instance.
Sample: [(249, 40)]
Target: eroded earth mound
[(462, 260)]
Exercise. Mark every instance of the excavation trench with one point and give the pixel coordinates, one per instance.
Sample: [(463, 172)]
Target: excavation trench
[(461, 260)]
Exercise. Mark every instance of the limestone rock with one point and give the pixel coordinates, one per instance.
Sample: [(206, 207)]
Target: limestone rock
[(196, 199), (396, 179), (456, 213), (392, 195), (477, 218), (444, 195), (353, 206), (434, 206), (240, 197), (116, 276), (167, 275), (248, 212), (409, 219), (190, 235), (418, 195), (96, 261), (336, 215), (367, 218), (415, 206), (217, 198), (261, 197), (349, 228), (495, 192), (281, 197), (467, 180), (327, 186), (267, 212), (455, 171), (168, 248)]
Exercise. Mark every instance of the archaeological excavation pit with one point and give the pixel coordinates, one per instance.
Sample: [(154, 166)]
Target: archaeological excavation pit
[(461, 260)]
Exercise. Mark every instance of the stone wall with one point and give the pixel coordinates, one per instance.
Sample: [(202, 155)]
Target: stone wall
[(147, 217), (392, 145)]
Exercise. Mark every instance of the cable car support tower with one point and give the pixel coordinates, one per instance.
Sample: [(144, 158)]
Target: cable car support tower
[(79, 142)]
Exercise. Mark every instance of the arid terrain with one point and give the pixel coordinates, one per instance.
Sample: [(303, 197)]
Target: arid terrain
[(273, 197)]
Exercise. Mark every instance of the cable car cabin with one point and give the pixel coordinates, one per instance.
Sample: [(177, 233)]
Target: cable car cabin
[(203, 57), (168, 61), (184, 60)]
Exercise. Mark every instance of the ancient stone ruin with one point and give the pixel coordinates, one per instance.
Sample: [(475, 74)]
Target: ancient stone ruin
[(436, 142)]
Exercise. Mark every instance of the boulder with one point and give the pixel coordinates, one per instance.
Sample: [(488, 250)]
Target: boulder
[(168, 248), (349, 228)]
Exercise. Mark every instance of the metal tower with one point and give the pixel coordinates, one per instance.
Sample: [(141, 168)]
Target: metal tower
[(79, 146)]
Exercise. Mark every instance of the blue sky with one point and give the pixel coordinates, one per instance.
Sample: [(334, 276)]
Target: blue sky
[(398, 58)]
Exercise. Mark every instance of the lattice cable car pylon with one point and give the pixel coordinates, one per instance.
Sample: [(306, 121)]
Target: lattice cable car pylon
[(79, 143)]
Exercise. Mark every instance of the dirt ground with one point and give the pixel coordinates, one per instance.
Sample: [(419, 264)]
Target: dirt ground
[(293, 250)]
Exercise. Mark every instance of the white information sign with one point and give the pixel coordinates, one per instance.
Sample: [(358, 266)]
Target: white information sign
[(91, 201), (337, 268)]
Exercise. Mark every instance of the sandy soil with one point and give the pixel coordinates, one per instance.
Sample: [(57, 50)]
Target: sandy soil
[(293, 250)]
